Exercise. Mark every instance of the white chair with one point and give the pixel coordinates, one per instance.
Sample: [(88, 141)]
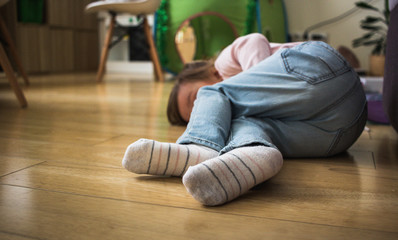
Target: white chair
[(134, 7), (5, 40)]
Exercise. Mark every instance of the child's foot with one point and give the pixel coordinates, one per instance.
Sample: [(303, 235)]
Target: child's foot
[(152, 157), (224, 178)]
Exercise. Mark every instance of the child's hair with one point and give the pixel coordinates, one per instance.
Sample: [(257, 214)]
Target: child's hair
[(192, 72)]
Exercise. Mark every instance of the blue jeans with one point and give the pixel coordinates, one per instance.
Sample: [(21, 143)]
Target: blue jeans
[(305, 101)]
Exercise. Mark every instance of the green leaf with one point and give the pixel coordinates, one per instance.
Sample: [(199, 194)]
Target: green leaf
[(370, 27), (371, 20), (386, 14), (377, 49), (358, 42), (371, 42), (366, 5), (364, 37), (368, 35)]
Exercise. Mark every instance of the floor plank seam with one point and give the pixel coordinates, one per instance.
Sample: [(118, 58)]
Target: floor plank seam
[(373, 158), (107, 140), (33, 165), (63, 163), (20, 235), (199, 210)]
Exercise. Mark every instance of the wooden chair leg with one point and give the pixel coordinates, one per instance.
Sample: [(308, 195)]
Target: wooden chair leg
[(13, 50), (5, 63), (105, 49), (152, 51)]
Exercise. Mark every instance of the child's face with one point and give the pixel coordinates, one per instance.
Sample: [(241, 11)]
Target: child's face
[(187, 95)]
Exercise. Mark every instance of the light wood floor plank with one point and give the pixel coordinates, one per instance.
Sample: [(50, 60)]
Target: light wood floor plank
[(10, 165), (60, 135), (67, 216), (383, 144), (328, 193), (12, 236), (61, 175)]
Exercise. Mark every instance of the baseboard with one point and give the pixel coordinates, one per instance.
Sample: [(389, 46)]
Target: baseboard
[(141, 67)]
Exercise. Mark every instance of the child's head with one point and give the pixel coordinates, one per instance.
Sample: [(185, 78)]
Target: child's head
[(193, 76)]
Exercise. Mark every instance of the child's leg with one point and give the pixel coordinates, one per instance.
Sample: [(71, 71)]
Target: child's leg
[(205, 136), (224, 178), (152, 157)]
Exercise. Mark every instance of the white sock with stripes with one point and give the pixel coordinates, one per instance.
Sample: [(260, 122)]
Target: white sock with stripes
[(224, 178), (151, 157)]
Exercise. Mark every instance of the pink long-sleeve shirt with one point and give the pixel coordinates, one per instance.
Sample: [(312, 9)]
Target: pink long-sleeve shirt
[(245, 52)]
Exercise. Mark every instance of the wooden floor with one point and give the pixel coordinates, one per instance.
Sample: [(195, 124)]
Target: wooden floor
[(61, 175)]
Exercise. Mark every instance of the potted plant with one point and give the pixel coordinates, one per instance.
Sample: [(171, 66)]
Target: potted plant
[(376, 27)]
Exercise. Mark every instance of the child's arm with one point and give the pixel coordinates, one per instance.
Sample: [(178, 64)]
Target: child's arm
[(242, 54), (245, 52), (276, 46)]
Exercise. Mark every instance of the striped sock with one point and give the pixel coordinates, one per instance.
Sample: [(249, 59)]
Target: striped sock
[(224, 178), (151, 157)]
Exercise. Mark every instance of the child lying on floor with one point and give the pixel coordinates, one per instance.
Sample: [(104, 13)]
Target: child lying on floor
[(242, 54), (258, 105)]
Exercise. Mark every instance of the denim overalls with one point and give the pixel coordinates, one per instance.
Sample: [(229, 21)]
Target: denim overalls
[(305, 101)]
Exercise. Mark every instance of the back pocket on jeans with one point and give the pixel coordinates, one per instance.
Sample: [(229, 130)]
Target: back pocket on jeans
[(314, 62)]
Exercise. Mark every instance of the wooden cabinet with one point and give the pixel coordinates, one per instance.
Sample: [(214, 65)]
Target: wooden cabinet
[(66, 41), (83, 20), (60, 13), (85, 53), (62, 49), (33, 44)]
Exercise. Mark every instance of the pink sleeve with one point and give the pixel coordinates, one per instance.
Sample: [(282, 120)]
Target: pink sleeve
[(245, 52), (276, 46), (242, 54)]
